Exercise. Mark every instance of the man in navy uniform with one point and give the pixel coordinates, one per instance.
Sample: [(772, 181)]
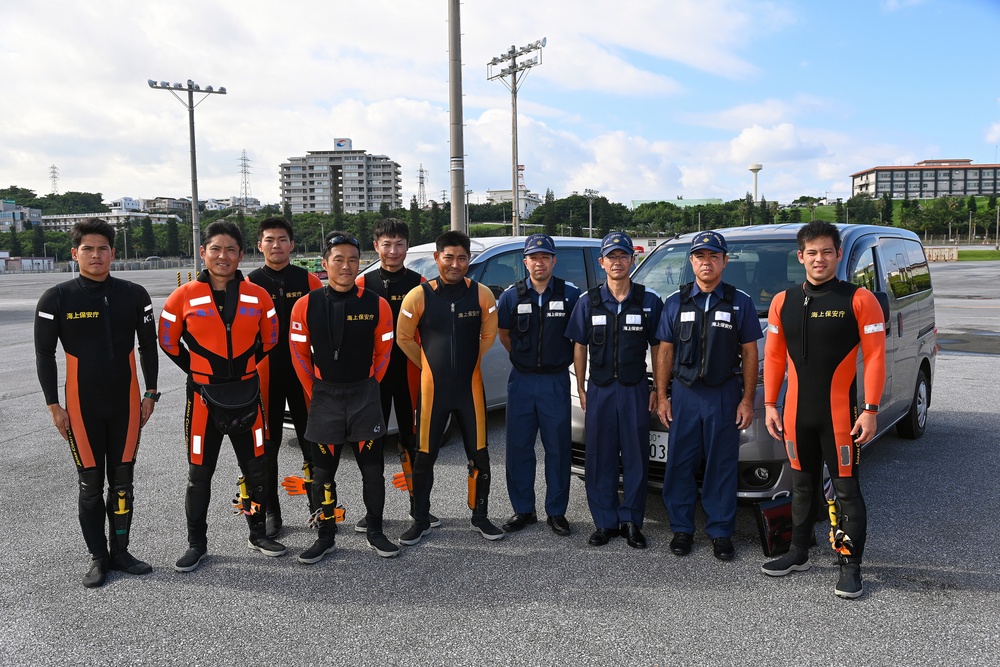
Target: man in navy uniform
[(532, 317), (615, 324), (709, 332)]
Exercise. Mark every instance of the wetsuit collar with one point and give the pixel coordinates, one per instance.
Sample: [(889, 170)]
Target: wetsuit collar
[(822, 287)]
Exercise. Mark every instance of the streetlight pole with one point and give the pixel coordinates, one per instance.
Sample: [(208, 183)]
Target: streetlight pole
[(191, 89), (45, 251), (516, 71), (456, 135), (590, 195), (468, 213)]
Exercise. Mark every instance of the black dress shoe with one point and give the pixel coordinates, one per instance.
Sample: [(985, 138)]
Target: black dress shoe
[(723, 548), (559, 525), (519, 521), (633, 535), (602, 536), (681, 544)]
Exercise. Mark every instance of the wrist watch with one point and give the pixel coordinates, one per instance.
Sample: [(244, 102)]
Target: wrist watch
[(155, 395), (870, 407)]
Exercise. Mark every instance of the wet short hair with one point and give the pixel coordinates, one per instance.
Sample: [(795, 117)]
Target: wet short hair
[(818, 229), (454, 238), (222, 227), (391, 227), (92, 226), (274, 223)]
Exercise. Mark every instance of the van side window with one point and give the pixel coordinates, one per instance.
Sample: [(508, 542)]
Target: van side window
[(863, 273), (503, 271), (920, 274), (570, 267)]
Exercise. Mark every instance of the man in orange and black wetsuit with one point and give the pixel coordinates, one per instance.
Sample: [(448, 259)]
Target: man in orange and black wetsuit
[(815, 331), (392, 281), (457, 321), (96, 318), (341, 337), (217, 329), (286, 283)]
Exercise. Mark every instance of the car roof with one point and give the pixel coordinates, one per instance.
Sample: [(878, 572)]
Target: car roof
[(481, 244), (789, 230)]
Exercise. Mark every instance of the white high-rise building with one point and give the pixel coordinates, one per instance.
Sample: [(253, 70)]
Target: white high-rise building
[(359, 181)]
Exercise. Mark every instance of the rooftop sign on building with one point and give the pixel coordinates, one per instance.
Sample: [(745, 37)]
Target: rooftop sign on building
[(343, 144)]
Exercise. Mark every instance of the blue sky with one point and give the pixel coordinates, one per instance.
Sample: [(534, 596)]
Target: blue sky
[(639, 99)]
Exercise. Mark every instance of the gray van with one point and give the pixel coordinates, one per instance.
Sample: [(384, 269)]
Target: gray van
[(763, 260)]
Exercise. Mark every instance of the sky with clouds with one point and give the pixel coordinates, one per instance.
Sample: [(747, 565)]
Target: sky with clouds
[(638, 99)]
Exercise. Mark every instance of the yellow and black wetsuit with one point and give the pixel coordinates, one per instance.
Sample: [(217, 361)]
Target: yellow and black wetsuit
[(457, 323), (97, 324)]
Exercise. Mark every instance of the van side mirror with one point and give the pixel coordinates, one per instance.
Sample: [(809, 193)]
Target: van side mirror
[(883, 300)]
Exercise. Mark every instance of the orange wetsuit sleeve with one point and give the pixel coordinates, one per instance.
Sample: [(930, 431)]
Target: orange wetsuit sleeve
[(871, 328), (775, 352), (488, 329), (171, 328), (383, 340), (301, 346), (410, 312)]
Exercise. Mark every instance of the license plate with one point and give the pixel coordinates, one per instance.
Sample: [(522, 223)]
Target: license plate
[(658, 446)]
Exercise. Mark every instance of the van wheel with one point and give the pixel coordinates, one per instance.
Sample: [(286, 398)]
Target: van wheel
[(913, 424)]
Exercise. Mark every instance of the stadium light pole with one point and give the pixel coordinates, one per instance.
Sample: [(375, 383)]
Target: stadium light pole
[(191, 89), (590, 195), (516, 71)]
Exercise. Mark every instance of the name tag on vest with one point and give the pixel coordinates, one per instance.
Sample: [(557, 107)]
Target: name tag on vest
[(633, 319), (598, 320), (524, 309), (556, 305), (721, 316), (687, 317)]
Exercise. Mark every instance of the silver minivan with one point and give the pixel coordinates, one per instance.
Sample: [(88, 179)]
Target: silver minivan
[(762, 262)]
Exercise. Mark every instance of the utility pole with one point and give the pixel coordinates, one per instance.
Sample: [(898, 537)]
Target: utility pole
[(516, 71), (191, 89), (458, 218)]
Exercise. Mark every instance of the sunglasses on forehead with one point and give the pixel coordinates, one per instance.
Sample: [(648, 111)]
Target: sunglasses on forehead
[(340, 239)]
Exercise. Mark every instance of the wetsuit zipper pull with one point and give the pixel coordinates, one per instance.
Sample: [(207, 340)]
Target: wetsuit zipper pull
[(805, 322)]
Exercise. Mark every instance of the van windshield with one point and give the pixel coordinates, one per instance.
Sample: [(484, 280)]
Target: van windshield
[(759, 268)]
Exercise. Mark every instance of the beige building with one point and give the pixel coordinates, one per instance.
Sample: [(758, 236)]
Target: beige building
[(929, 179), (357, 180), (64, 223)]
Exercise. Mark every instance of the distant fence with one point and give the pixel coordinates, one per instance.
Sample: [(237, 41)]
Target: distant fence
[(941, 253)]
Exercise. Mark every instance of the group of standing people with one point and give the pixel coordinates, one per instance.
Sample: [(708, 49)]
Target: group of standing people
[(346, 354)]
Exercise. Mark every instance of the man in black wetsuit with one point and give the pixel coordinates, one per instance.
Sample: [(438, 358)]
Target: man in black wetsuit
[(392, 281), (97, 318), (286, 284), (456, 319)]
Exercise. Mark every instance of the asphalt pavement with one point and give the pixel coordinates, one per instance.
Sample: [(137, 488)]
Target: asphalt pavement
[(932, 588)]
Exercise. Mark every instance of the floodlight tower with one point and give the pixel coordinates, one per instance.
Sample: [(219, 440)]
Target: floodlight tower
[(516, 71), (755, 167), (191, 89)]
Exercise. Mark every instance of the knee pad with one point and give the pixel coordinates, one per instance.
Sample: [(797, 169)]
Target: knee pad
[(91, 487)]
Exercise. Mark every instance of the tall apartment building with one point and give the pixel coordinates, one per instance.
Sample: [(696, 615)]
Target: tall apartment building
[(929, 179), (357, 180)]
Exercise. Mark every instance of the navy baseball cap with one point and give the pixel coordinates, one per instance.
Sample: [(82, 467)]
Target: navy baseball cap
[(709, 241), (617, 241), (539, 243)]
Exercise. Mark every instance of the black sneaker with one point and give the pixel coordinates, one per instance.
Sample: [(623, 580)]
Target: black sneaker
[(362, 525), (190, 560), (795, 560), (97, 573), (382, 546), (850, 585), (267, 546), (485, 527), (414, 533), (433, 520), (317, 551), (129, 564)]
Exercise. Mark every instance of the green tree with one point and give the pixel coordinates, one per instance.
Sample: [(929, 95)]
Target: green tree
[(37, 241), (838, 215), (148, 238), (22, 196), (15, 243), (416, 233), (172, 247), (971, 204), (286, 212)]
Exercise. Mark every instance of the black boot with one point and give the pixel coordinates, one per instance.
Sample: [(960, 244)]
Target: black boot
[(119, 506), (325, 519), (273, 521), (256, 473), (479, 493)]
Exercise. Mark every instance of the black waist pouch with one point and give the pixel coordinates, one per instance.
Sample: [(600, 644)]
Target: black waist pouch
[(232, 405)]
